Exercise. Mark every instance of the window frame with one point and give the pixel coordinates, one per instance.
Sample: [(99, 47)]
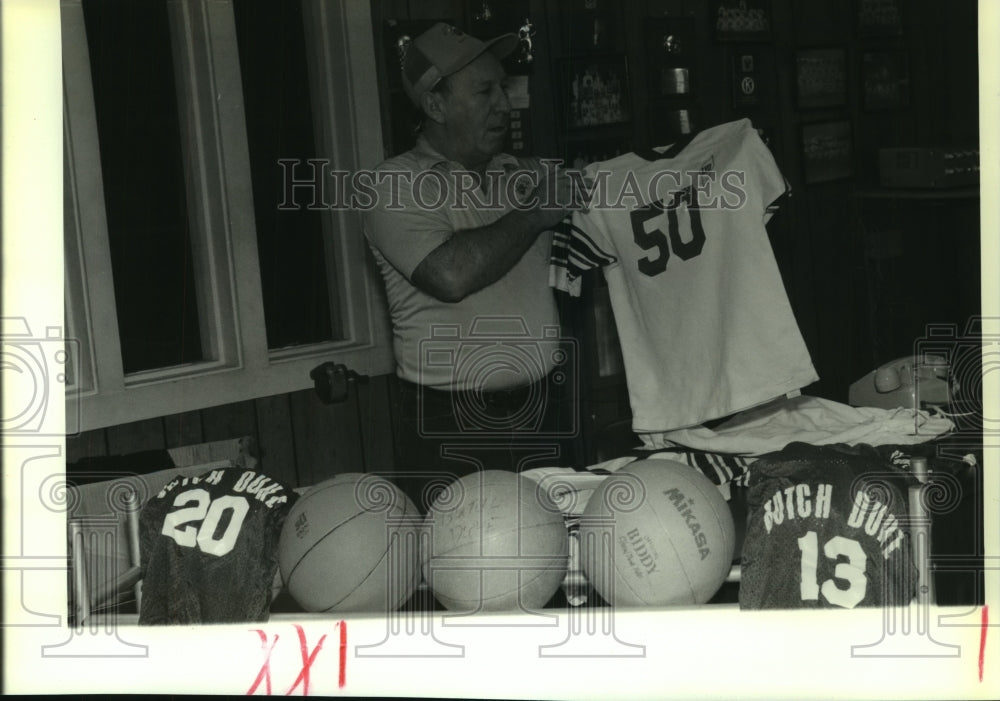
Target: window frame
[(239, 365)]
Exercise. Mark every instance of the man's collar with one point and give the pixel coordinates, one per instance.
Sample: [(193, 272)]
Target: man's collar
[(428, 157)]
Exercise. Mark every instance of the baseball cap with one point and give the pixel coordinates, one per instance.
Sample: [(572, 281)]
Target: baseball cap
[(443, 50)]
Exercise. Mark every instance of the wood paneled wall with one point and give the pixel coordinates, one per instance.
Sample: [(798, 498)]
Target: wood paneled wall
[(815, 238), (299, 439)]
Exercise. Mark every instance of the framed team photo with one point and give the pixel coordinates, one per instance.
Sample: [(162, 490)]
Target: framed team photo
[(886, 80), (595, 91), (742, 20), (827, 151), (820, 78)]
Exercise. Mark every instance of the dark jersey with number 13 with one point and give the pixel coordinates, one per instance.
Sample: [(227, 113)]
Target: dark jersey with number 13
[(827, 528), (209, 547)]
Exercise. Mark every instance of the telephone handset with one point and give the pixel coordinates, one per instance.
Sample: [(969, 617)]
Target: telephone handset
[(903, 382)]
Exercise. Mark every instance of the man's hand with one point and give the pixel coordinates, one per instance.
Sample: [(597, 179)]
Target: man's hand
[(475, 258), (558, 193)]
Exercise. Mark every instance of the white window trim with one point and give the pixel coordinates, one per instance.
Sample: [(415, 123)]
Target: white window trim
[(223, 233)]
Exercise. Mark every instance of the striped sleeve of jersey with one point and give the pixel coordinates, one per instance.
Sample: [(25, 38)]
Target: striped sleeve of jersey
[(720, 468), (574, 252)]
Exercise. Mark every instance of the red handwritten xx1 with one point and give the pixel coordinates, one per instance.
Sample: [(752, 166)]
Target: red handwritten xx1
[(982, 639), (308, 658)]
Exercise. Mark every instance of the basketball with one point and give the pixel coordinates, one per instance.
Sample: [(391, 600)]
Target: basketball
[(656, 533), (351, 544), (494, 541)]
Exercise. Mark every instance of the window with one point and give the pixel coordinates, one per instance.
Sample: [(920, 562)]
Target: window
[(185, 286), (138, 129), (293, 264)]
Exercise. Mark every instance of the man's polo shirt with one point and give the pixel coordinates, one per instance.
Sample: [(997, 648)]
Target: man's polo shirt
[(502, 336)]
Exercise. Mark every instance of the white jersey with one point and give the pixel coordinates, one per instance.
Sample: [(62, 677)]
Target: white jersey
[(705, 325)]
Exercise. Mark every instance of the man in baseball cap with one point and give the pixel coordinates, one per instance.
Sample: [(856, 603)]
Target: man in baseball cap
[(443, 50), (469, 125), (456, 253)]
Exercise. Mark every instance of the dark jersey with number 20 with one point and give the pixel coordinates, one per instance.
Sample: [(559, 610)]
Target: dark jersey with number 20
[(209, 547), (827, 528)]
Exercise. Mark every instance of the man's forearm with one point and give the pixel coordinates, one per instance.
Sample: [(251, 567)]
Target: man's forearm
[(475, 258)]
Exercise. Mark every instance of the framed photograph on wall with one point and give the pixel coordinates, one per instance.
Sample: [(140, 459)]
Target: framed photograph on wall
[(880, 18), (886, 80), (595, 91), (827, 151), (820, 78), (742, 20)]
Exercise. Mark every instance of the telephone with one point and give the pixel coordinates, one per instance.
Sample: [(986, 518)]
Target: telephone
[(895, 384)]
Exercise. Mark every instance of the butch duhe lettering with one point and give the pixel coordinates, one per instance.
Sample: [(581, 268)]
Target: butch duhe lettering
[(800, 501), (261, 487)]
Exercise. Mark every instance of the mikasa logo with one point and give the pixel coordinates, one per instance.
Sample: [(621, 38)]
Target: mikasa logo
[(683, 505)]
